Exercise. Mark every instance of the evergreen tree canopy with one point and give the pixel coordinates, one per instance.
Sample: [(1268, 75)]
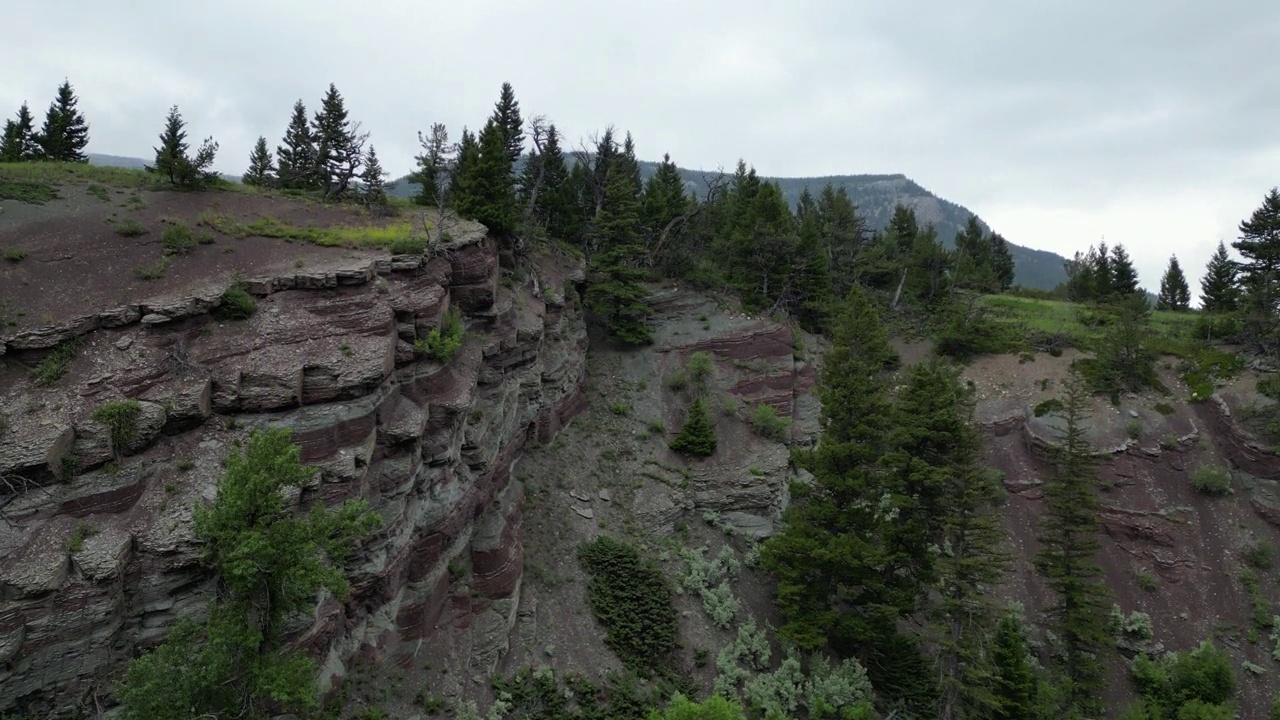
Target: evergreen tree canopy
[(1175, 294), (65, 133), (433, 167), (261, 172), (1124, 277), (506, 116), (1068, 534), (831, 553), (615, 291), (339, 144), (484, 192), (171, 158), (373, 187), (269, 563), (844, 236), (296, 158), (698, 435), (1014, 686), (1259, 245), (19, 143), (1218, 289)]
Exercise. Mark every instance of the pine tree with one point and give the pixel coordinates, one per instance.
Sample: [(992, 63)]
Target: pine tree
[(811, 276), (663, 199), (268, 563), (261, 172), (173, 147), (1175, 294), (19, 144), (373, 186), (1002, 261), (1124, 277), (974, 260), (1068, 535), (339, 144), (698, 435), (506, 115), (65, 133), (844, 236), (485, 192), (296, 158), (171, 158), (433, 168), (615, 292), (1259, 245), (463, 178), (829, 556), (952, 505), (554, 204), (1014, 685), (1218, 288)]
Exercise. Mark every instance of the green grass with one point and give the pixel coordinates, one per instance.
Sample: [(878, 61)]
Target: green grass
[(1048, 317), (151, 272), (1171, 334), (99, 192), (51, 173), (15, 255), (55, 364), (35, 193), (398, 235)]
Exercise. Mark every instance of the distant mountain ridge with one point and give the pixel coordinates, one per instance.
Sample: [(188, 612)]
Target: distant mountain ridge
[(875, 196)]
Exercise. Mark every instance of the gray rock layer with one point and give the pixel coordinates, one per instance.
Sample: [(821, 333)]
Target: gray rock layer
[(97, 547)]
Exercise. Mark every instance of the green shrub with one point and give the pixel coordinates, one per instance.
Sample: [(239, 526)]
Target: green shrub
[(82, 532), (698, 436), (55, 364), (1163, 408), (1148, 581), (178, 239), (656, 427), (1269, 385), (1257, 555), (1211, 480), (130, 227), (1052, 405), (441, 343), (963, 338), (409, 245), (715, 707), (99, 192), (630, 597), (15, 255), (768, 423), (121, 419), (1134, 429), (152, 272), (236, 303), (700, 368), (678, 380)]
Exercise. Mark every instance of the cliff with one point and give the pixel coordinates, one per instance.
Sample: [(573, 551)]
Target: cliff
[(98, 553)]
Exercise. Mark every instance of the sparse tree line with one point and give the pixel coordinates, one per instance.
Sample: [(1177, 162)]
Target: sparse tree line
[(1239, 299), (62, 137)]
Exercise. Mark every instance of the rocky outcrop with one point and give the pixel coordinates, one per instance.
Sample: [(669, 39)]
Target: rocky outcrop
[(99, 556)]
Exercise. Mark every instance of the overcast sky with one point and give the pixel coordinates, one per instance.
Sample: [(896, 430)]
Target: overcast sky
[(1154, 123)]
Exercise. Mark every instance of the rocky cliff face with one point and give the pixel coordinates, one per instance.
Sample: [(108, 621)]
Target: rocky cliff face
[(98, 555)]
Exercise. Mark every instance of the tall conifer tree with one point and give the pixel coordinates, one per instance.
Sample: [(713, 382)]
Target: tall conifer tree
[(1068, 536), (296, 158), (19, 144), (65, 133), (1124, 277), (1175, 294), (1259, 246), (373, 186), (1218, 288), (261, 172)]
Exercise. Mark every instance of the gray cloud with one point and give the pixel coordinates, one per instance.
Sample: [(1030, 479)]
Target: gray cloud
[(1150, 121)]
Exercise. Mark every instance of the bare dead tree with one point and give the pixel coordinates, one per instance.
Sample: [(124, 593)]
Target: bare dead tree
[(538, 128), (716, 183)]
